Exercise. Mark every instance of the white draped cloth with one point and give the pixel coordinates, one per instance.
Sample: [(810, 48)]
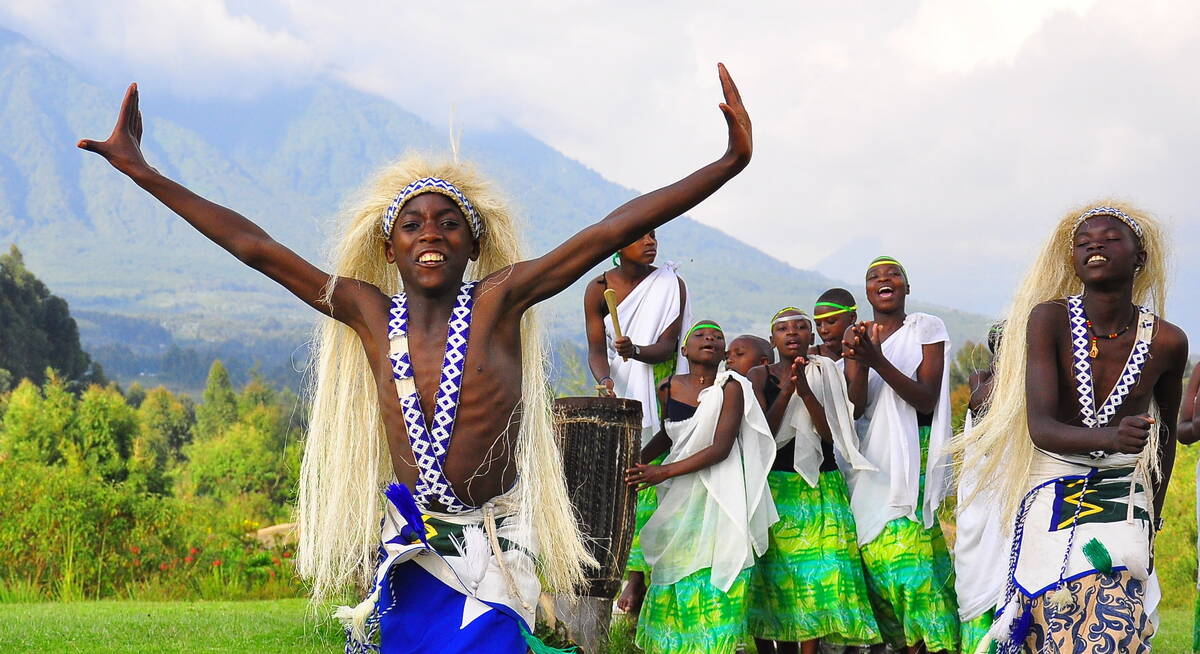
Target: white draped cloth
[(889, 439), (980, 546), (828, 384), (644, 315), (716, 518)]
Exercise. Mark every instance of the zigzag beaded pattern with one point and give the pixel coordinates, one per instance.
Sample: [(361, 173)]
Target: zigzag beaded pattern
[(1085, 383), (432, 185), (429, 446)]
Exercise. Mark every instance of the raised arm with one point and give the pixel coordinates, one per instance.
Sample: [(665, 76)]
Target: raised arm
[(538, 279), (228, 229), (1189, 431)]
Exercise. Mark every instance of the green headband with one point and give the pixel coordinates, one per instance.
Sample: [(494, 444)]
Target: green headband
[(838, 309), (884, 261), (702, 325)]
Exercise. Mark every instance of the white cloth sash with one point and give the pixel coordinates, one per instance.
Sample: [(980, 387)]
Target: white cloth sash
[(645, 314), (829, 385), (1041, 550), (889, 439), (980, 546), (716, 518)]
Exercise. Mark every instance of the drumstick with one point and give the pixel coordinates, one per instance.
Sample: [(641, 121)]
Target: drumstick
[(610, 297)]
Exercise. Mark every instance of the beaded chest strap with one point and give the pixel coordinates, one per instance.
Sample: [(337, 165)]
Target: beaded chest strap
[(1081, 346), (429, 446)]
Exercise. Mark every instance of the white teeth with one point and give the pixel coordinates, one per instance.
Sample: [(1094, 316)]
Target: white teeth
[(1097, 257), (431, 257)]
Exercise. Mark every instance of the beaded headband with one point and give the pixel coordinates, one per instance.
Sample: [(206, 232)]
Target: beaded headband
[(1114, 213), (838, 309), (441, 187), (702, 325)]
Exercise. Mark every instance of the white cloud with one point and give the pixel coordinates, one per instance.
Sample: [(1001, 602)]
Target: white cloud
[(954, 133)]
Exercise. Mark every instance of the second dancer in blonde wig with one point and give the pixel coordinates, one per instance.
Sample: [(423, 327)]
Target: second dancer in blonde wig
[(1073, 436)]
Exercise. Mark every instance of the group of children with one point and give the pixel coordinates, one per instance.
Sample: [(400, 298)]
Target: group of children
[(802, 481), (792, 476), (791, 501)]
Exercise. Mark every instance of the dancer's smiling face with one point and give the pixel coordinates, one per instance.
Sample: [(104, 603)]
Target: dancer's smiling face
[(431, 243), (1105, 249), (791, 338), (886, 288)]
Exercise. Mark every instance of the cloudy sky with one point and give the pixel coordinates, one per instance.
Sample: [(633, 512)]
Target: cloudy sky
[(948, 134)]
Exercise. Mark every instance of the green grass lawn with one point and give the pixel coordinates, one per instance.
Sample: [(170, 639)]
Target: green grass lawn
[(167, 627), (263, 626)]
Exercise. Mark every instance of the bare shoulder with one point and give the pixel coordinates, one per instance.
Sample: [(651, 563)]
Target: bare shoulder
[(757, 375), (1049, 310), (1170, 340)]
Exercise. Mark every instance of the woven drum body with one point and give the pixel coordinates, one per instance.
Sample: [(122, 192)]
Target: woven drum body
[(600, 438)]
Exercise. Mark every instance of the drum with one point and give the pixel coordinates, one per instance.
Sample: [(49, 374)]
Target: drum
[(600, 438)]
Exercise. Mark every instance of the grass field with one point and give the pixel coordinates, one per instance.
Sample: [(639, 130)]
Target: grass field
[(262, 627)]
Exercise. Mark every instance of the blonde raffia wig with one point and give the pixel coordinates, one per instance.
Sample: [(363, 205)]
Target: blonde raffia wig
[(346, 461), (999, 447)]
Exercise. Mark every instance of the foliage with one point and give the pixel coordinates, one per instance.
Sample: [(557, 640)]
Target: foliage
[(103, 499), (36, 329), (571, 376), (1175, 546), (219, 408)]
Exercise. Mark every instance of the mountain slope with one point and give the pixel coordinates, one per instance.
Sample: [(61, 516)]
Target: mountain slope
[(287, 160)]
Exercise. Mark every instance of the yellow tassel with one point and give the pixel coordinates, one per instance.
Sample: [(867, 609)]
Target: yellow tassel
[(1061, 599)]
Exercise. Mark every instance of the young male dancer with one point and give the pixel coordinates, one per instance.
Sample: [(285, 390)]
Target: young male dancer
[(1080, 435), (897, 371), (396, 379), (712, 517), (808, 586)]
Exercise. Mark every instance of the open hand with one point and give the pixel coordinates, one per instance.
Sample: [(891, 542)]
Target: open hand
[(865, 344), (741, 141), (643, 475), (123, 148), (1131, 434)]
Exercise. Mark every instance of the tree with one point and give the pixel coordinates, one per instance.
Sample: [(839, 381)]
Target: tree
[(36, 328), (36, 420), (219, 407), (165, 417), (241, 459), (100, 438)]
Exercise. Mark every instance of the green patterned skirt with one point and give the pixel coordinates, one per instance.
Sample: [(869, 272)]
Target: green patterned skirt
[(647, 501), (809, 584), (910, 579), (911, 585), (972, 632), (691, 616)]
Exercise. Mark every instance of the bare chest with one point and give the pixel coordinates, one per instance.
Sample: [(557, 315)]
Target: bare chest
[(1123, 381)]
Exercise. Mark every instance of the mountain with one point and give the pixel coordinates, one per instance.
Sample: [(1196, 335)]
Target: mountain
[(287, 160)]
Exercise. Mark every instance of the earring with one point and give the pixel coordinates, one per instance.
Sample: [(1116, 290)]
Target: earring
[(616, 258)]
